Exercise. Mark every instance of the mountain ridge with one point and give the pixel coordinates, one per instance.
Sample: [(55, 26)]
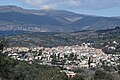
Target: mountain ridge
[(54, 20)]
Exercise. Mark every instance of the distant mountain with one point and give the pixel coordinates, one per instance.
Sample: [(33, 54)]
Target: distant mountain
[(17, 18)]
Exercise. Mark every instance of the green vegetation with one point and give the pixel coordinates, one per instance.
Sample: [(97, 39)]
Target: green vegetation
[(99, 74), (118, 69), (15, 70), (78, 77), (11, 69), (102, 75)]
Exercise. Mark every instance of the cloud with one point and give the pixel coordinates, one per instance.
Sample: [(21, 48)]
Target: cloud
[(35, 3), (73, 4), (46, 7), (42, 4)]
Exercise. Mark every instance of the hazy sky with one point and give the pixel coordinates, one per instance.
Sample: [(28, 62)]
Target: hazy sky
[(91, 7)]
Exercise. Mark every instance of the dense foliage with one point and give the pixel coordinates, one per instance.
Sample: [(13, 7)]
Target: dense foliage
[(15, 70), (11, 69)]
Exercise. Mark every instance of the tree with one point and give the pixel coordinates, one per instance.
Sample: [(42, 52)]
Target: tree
[(99, 75), (3, 43), (54, 59), (6, 66), (71, 56), (78, 77), (102, 75), (118, 69)]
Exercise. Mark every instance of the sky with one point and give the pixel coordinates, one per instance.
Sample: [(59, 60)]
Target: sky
[(91, 7)]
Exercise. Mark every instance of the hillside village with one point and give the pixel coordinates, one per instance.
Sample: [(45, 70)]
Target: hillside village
[(68, 57)]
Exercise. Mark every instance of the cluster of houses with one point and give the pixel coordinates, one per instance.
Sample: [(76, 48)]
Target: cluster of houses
[(68, 57)]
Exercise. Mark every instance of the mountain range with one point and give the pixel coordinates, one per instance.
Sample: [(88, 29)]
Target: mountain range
[(13, 18)]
